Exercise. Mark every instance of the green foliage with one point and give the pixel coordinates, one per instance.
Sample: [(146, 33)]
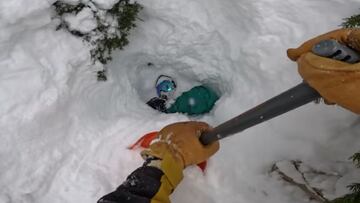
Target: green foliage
[(355, 187), (354, 197), (101, 75), (356, 159), (125, 15), (350, 198), (351, 22), (112, 31), (62, 8)]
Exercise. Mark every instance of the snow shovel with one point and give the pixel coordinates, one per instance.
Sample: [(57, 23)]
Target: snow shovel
[(287, 101)]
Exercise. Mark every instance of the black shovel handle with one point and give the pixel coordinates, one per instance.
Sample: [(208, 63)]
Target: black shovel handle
[(286, 101)]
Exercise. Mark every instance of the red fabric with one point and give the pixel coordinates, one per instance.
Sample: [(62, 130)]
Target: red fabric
[(202, 166), (146, 140)]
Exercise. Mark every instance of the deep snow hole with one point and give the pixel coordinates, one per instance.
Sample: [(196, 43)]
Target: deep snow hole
[(185, 78)]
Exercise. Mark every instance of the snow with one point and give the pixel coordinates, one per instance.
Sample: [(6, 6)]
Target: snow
[(64, 135), (288, 168), (105, 4), (323, 176), (84, 21)]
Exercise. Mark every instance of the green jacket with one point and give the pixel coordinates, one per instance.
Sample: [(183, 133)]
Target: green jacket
[(198, 100)]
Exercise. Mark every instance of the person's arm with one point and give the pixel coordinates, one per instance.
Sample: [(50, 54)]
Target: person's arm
[(149, 183), (177, 146), (336, 81)]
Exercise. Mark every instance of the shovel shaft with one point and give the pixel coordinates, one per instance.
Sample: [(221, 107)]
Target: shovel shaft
[(287, 101)]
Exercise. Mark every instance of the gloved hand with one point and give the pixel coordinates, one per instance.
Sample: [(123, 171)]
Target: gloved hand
[(336, 81), (181, 141)]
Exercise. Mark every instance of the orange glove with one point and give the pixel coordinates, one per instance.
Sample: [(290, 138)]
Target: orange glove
[(337, 82), (181, 140)]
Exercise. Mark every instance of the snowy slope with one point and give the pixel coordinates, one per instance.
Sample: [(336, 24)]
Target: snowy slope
[(64, 135)]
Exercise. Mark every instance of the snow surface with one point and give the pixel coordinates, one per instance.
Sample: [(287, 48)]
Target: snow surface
[(84, 21), (105, 4), (64, 135)]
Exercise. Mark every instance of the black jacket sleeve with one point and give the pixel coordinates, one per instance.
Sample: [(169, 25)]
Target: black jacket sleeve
[(139, 187)]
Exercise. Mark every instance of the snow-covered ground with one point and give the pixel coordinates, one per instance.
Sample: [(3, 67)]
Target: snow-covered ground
[(64, 135)]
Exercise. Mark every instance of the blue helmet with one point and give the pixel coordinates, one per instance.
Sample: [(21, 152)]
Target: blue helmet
[(165, 87)]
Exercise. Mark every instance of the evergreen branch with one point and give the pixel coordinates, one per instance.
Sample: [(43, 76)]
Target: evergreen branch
[(355, 187), (107, 36), (356, 159), (61, 8), (350, 198), (351, 22), (354, 197)]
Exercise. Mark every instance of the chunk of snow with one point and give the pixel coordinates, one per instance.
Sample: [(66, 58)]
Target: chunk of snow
[(105, 4), (83, 22)]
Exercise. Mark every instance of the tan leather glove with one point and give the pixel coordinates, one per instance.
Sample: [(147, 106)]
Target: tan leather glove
[(337, 82), (181, 140)]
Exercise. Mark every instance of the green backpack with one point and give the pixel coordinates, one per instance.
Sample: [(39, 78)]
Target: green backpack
[(198, 100)]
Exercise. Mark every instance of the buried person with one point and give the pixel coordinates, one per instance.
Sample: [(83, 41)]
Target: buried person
[(198, 100)]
